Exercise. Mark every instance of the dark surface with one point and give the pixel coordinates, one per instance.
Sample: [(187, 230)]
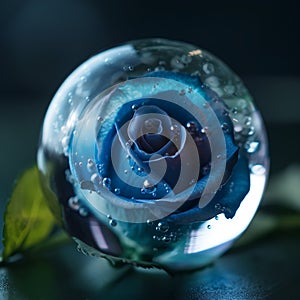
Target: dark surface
[(268, 269)]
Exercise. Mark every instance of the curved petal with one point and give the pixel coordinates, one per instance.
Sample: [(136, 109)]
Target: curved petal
[(227, 199), (149, 128)]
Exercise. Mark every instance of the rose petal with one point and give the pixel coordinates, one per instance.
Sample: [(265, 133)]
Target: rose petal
[(142, 158), (225, 201)]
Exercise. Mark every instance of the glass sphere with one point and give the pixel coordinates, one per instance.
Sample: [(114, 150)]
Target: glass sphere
[(153, 153)]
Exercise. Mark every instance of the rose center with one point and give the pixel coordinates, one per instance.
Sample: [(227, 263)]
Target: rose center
[(152, 126)]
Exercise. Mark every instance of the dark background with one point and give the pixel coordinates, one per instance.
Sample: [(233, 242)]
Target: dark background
[(42, 41)]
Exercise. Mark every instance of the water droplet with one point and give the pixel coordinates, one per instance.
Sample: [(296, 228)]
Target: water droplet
[(175, 129), (247, 121), (192, 126), (64, 129), (219, 207), (149, 222), (212, 81), (159, 68), (106, 182), (186, 59), (129, 143), (242, 103), (208, 226), (251, 131), (65, 144), (73, 203), (167, 189), (174, 237), (134, 107), (83, 212), (234, 110), (205, 170), (147, 184), (193, 181), (176, 63), (166, 239), (96, 179), (117, 191), (162, 226), (100, 168), (182, 93), (206, 105), (130, 68), (80, 164), (125, 171), (113, 223), (225, 127), (148, 188), (208, 68), (229, 89), (216, 218), (222, 156), (238, 128), (225, 112), (91, 166), (252, 146), (99, 119), (204, 130), (109, 217), (108, 60), (258, 169)]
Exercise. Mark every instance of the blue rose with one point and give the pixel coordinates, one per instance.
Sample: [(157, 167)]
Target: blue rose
[(153, 167), (149, 139)]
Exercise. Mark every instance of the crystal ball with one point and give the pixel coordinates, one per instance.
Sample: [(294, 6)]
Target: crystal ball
[(153, 153)]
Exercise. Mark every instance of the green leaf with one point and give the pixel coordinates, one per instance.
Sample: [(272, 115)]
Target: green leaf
[(27, 219)]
